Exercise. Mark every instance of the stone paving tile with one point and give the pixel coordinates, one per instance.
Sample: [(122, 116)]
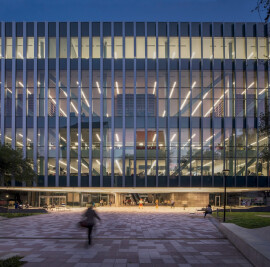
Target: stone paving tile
[(125, 237)]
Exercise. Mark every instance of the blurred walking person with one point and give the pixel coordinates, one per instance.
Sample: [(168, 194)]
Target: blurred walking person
[(140, 203), (89, 222), (156, 203), (172, 203)]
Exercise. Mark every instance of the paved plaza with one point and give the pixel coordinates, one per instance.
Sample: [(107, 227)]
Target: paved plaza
[(126, 236)]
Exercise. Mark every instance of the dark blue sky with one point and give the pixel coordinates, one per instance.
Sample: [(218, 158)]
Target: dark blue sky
[(128, 10)]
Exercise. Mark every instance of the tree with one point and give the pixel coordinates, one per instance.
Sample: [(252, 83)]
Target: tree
[(263, 6), (14, 166), (264, 132)]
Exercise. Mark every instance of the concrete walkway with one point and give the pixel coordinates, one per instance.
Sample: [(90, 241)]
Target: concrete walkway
[(125, 237), (253, 243)]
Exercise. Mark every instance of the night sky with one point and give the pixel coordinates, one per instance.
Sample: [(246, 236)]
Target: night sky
[(129, 10)]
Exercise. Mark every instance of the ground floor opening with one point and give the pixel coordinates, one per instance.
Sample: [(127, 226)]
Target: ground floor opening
[(55, 197)]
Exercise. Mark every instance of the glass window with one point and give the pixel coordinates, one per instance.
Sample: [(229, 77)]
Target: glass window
[(74, 47), (196, 47), (96, 47), (129, 47), (162, 47), (174, 47), (151, 47), (0, 47), (8, 47), (218, 47), (229, 48), (19, 48), (118, 47), (185, 47), (85, 47), (30, 47), (52, 47), (240, 48), (262, 48), (207, 47), (140, 47), (107, 47), (63, 47), (41, 47), (251, 48)]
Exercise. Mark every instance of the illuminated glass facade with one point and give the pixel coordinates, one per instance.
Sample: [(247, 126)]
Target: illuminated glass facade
[(100, 104)]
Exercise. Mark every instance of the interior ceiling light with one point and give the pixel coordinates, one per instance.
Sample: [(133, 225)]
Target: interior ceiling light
[(98, 87), (206, 114), (74, 107), (164, 112), (85, 99), (118, 165), (173, 137), (172, 90), (117, 88), (97, 135), (154, 89)]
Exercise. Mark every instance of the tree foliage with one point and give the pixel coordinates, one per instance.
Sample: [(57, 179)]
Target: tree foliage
[(14, 166), (263, 7)]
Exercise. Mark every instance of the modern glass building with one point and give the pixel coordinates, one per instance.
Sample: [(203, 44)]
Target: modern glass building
[(158, 107)]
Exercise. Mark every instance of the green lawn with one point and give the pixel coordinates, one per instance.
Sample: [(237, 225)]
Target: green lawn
[(12, 262), (246, 219), (15, 215)]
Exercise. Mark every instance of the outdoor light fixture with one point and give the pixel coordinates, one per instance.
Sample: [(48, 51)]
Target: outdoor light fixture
[(225, 174)]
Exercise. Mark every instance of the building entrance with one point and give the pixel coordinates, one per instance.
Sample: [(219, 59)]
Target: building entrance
[(148, 199), (217, 201), (52, 200)]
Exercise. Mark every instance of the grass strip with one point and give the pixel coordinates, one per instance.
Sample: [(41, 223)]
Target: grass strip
[(12, 262), (248, 220)]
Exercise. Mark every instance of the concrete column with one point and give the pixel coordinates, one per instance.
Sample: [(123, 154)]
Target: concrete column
[(117, 199)]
